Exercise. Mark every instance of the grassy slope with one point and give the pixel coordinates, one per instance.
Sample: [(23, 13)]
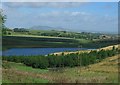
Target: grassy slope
[(96, 73), (19, 73)]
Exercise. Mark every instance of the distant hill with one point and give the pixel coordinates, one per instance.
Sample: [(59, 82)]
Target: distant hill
[(40, 27), (47, 28)]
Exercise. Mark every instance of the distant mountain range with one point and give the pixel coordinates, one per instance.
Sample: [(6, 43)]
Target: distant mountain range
[(47, 28), (66, 29)]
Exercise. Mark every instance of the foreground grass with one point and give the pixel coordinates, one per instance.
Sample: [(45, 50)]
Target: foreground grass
[(102, 72)]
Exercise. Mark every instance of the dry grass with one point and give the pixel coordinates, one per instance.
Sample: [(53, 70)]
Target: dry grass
[(102, 72), (109, 47), (82, 51), (108, 65), (16, 76)]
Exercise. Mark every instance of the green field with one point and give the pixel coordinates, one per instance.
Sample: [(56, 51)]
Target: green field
[(24, 41), (21, 73)]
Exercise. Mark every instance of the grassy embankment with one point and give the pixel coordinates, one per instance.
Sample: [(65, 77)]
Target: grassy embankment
[(82, 51), (105, 71)]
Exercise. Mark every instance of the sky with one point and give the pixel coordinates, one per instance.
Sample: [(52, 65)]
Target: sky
[(73, 16)]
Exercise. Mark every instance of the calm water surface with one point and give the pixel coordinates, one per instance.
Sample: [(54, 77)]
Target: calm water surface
[(36, 51)]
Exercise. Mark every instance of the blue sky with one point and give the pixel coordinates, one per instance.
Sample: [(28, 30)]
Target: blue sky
[(80, 16)]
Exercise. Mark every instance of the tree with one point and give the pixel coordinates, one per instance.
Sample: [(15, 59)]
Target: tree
[(20, 30), (2, 21), (113, 48)]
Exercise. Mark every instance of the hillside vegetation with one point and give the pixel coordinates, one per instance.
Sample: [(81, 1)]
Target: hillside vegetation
[(105, 71)]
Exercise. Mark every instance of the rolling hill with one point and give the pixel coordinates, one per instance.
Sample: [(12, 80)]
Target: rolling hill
[(46, 28)]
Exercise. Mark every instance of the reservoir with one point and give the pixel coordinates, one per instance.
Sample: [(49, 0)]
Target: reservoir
[(36, 51)]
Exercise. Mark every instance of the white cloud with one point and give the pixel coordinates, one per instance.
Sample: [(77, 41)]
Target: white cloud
[(62, 14), (78, 13), (75, 13), (44, 4)]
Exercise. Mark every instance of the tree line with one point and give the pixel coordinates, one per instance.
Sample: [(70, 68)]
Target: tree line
[(69, 60), (82, 35)]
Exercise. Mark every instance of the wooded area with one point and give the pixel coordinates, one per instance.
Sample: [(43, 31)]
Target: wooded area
[(69, 60)]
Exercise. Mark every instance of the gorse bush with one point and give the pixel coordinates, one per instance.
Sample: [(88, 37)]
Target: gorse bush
[(69, 60)]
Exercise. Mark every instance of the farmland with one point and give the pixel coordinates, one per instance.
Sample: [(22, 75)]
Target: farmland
[(23, 38), (14, 41)]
